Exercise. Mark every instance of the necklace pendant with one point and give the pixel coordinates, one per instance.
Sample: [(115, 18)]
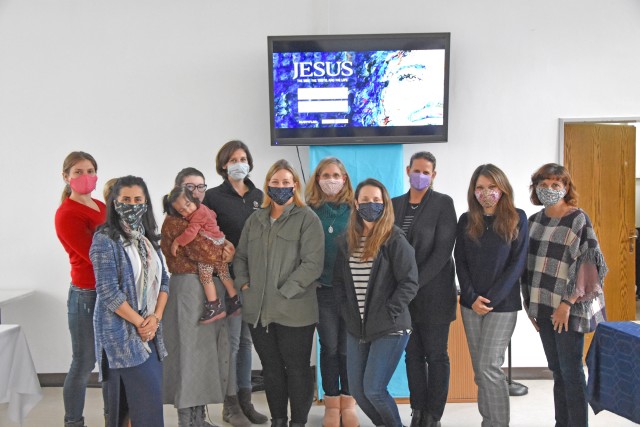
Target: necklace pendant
[(330, 229)]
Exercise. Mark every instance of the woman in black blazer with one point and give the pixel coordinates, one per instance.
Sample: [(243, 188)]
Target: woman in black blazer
[(429, 220)]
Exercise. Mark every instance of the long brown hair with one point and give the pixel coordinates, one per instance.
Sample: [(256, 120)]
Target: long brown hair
[(69, 161), (554, 171), (381, 228), (506, 216), (314, 194), (297, 192)]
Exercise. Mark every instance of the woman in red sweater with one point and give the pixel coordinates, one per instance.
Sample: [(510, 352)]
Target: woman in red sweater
[(76, 220)]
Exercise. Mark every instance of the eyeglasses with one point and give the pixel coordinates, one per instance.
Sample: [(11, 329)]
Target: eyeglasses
[(192, 187)]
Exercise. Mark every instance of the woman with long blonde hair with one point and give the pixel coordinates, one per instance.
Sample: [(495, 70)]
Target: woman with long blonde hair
[(278, 260), (375, 278), (490, 253), (329, 194)]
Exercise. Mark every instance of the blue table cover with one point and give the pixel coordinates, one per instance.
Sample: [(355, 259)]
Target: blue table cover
[(613, 361)]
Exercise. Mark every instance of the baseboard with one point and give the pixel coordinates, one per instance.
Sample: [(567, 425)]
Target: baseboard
[(57, 380), (538, 373)]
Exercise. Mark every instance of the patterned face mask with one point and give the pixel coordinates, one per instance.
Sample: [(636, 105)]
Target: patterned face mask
[(131, 214), (331, 186), (488, 198), (280, 195), (549, 197), (370, 212)]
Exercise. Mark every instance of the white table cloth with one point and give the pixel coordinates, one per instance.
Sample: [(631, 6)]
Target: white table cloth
[(19, 385)]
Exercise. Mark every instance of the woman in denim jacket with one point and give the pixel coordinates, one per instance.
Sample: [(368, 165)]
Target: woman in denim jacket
[(132, 291)]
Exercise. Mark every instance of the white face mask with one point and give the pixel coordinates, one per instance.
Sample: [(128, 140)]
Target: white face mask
[(238, 171), (331, 186)]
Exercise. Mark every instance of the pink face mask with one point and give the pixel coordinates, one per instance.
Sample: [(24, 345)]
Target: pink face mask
[(84, 184), (488, 198), (331, 187)]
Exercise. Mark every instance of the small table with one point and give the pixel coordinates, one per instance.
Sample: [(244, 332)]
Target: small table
[(614, 369), (19, 385), (12, 295)]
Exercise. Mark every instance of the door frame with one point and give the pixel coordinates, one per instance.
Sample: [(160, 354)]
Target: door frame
[(563, 121)]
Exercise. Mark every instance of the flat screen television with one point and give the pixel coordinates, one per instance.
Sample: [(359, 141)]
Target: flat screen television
[(359, 89)]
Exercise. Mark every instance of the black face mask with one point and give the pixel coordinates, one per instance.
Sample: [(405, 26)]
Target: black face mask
[(370, 212), (280, 195), (131, 214)]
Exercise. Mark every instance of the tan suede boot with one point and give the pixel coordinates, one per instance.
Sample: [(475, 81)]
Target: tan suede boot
[(331, 411), (348, 410)]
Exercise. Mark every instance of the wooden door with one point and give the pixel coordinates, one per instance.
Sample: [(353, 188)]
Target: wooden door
[(601, 159)]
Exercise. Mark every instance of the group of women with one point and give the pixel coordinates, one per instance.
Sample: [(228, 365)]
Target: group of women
[(374, 276)]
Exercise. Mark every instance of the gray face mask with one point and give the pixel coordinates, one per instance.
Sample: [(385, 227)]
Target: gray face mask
[(549, 197), (238, 171)]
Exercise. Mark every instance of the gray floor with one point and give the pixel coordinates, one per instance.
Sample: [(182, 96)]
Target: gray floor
[(534, 409)]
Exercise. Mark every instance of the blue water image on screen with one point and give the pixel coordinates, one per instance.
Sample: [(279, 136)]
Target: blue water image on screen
[(358, 89)]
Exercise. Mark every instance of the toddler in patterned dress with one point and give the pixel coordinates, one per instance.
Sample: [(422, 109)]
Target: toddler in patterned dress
[(202, 220)]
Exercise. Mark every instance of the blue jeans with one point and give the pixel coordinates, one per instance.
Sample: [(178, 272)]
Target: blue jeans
[(428, 368), (370, 366), (564, 356), (333, 344), (240, 359), (80, 305)]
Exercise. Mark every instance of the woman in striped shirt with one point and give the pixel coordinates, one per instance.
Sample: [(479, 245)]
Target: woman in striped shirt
[(375, 278)]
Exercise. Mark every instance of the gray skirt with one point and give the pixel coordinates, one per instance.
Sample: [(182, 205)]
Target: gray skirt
[(196, 369)]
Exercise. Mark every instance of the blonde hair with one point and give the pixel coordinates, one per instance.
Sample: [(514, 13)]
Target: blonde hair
[(297, 192), (506, 216), (69, 161), (108, 186), (381, 230), (314, 194)]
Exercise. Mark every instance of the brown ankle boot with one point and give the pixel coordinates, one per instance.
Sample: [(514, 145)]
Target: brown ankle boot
[(349, 412), (331, 411)]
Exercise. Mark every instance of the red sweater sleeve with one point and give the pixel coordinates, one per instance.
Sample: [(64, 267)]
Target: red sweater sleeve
[(75, 225)]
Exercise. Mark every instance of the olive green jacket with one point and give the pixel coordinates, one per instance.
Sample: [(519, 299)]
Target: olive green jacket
[(280, 263)]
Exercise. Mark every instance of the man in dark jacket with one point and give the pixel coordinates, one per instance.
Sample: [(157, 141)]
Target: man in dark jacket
[(428, 219)]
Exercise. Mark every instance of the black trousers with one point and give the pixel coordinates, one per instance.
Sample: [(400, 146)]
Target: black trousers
[(284, 352), (428, 367)]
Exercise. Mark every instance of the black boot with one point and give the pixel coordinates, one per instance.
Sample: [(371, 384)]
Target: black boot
[(417, 417), (279, 422), (430, 421), (244, 398)]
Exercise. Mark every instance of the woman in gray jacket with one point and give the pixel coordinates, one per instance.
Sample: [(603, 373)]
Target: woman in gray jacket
[(279, 257)]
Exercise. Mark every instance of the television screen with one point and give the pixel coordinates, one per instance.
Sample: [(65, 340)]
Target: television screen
[(359, 89)]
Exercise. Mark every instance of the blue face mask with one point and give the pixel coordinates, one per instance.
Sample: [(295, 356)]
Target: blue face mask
[(280, 195), (238, 171), (370, 212)]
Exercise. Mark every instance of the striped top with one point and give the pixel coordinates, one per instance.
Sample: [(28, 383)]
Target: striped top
[(360, 271), (410, 214)]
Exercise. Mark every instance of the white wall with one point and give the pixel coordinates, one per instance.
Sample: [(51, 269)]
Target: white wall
[(149, 87)]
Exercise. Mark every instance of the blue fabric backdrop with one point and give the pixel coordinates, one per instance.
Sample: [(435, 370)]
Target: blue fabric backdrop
[(384, 163)]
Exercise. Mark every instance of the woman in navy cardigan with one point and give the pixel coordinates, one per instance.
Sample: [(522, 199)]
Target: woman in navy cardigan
[(132, 291), (490, 253)]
